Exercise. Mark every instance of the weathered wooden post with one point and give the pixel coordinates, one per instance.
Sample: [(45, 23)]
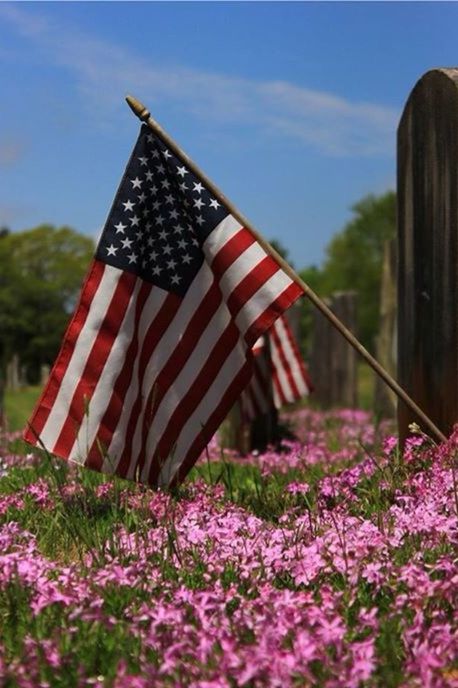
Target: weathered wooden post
[(333, 362), (344, 374), (385, 400), (320, 357), (428, 250)]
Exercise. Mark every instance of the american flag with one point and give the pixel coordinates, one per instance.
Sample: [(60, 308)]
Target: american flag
[(159, 347), (279, 375)]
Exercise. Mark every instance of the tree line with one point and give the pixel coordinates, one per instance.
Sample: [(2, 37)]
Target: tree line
[(41, 273)]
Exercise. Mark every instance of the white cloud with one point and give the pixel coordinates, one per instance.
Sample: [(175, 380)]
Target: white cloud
[(102, 71)]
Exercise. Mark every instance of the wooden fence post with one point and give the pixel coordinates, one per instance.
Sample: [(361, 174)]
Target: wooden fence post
[(428, 250), (333, 362), (320, 357), (344, 357), (385, 400)]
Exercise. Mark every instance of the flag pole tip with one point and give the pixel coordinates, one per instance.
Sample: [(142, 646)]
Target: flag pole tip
[(138, 108)]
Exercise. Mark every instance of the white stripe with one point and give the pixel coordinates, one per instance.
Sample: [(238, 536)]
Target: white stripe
[(291, 356), (102, 392), (259, 345), (97, 311), (151, 308), (167, 345), (262, 299), (240, 268), (224, 231), (190, 371), (232, 365)]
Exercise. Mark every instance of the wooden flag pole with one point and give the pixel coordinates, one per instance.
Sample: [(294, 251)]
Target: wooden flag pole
[(144, 115)]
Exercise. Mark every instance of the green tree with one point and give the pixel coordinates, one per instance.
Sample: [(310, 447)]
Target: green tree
[(41, 271), (354, 260)]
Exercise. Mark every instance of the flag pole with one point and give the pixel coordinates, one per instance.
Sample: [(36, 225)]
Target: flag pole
[(144, 115)]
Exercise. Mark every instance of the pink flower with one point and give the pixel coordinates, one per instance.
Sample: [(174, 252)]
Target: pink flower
[(298, 488)]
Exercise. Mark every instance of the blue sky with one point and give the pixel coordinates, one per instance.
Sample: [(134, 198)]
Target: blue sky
[(291, 108)]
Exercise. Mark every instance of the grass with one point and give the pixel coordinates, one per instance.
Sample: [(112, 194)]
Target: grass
[(19, 405)]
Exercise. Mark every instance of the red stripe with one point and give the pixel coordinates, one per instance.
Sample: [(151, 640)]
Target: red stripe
[(250, 284), (189, 402), (48, 397), (113, 411), (172, 368), (284, 362), (214, 421), (231, 250), (153, 337), (272, 312), (95, 362)]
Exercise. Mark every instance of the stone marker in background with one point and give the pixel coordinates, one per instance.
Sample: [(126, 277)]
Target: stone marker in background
[(333, 362), (13, 374), (428, 250), (44, 373), (385, 400)]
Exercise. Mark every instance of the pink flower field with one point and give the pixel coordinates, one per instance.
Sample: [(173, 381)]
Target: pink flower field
[(329, 561)]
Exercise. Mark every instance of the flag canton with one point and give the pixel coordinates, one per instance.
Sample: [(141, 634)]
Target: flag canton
[(160, 217)]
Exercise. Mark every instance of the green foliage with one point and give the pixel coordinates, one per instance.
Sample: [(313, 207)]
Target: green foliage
[(41, 271), (354, 261)]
